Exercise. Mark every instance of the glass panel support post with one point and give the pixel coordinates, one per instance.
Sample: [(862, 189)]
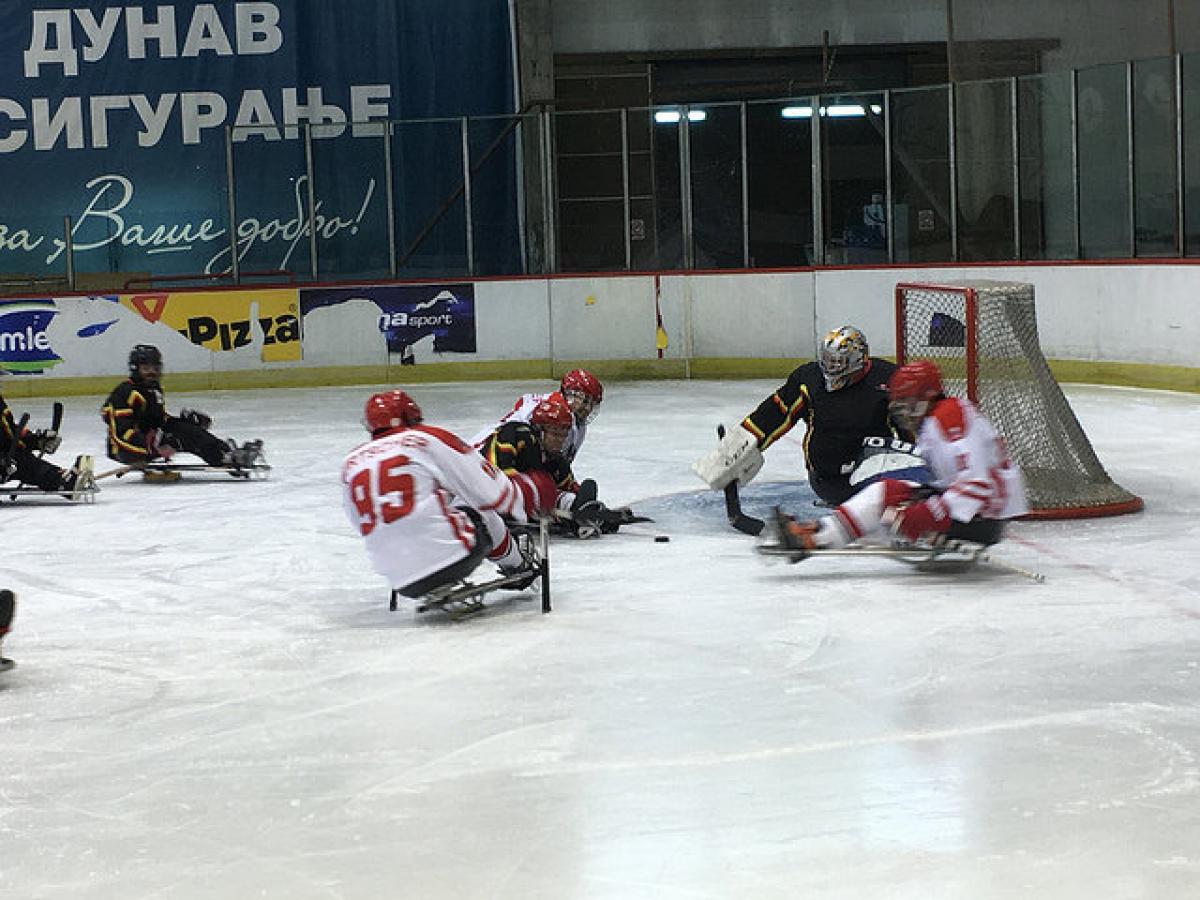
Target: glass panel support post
[(889, 205), (625, 207), (389, 187), (467, 211), (685, 189), (743, 143), (1130, 161), (1014, 103), (952, 120), (312, 201), (231, 195), (818, 184)]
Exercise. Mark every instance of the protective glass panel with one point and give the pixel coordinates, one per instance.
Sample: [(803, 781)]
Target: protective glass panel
[(350, 180), (1104, 189), (272, 202), (1191, 154), (1154, 156), (921, 174), (984, 144), (427, 172), (591, 204), (495, 195), (855, 178), (779, 163), (665, 197), (1047, 167), (715, 145)]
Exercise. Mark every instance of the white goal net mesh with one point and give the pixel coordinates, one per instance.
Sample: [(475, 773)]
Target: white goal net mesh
[(983, 336)]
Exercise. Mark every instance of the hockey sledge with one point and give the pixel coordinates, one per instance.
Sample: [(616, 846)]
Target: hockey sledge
[(86, 495), (170, 472), (945, 557), (464, 598)]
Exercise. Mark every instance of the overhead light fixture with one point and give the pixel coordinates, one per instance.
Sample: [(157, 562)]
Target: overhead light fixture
[(672, 116), (838, 110)]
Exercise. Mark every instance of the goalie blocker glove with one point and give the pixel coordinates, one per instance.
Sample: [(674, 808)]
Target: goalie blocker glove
[(735, 458)]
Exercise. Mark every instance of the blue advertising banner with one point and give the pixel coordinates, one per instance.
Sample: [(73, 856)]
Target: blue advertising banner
[(116, 115), (409, 313)]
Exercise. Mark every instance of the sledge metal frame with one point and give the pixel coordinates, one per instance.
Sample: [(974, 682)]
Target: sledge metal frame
[(944, 557), (462, 599)]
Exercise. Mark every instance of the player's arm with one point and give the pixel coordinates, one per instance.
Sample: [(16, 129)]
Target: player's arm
[(779, 413), (123, 412), (469, 476)]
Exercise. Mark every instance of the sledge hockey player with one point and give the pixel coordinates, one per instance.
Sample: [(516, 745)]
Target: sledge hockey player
[(975, 487), (8, 608), (429, 506), (842, 399), (583, 394), (538, 444), (21, 459), (140, 431)]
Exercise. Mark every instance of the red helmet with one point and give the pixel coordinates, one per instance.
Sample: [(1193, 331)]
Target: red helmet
[(553, 420), (552, 410), (390, 409), (583, 394), (917, 380), (584, 382)]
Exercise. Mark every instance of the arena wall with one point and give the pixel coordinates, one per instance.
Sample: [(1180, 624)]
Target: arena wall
[(1129, 324)]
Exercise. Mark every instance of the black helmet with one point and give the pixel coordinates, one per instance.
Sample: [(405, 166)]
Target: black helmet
[(143, 354)]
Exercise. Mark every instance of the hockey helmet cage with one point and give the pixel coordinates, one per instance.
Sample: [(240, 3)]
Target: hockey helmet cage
[(911, 391), (390, 409), (583, 393), (144, 355), (552, 417), (843, 357)]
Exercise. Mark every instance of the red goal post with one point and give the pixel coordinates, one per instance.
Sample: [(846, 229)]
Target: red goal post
[(983, 336)]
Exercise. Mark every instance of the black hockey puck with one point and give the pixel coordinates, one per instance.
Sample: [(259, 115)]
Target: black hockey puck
[(662, 538)]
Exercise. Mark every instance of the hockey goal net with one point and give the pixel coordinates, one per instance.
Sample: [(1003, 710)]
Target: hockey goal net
[(983, 336)]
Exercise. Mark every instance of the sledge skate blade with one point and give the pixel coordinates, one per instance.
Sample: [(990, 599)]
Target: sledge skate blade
[(85, 496)]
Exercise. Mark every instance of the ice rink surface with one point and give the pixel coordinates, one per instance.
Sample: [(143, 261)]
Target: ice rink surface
[(212, 699)]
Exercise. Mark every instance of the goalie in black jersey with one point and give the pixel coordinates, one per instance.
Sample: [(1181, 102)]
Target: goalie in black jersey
[(21, 459), (140, 431), (842, 399)]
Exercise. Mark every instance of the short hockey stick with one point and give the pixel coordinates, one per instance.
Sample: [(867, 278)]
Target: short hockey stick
[(733, 506), (56, 417)]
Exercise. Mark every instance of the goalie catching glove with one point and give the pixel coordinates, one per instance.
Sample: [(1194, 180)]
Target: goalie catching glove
[(735, 458)]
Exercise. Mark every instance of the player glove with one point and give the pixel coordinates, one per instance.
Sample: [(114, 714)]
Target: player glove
[(46, 441), (157, 446), (924, 518), (197, 418)]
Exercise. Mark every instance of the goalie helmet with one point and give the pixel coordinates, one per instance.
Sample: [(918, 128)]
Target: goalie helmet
[(583, 393), (388, 410), (912, 389), (843, 357), (552, 417)]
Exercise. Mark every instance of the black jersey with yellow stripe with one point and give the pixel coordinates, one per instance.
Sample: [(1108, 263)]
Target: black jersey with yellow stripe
[(516, 447), (131, 411), (837, 421)]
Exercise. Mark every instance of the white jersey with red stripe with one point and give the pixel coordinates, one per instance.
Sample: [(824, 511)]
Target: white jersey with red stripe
[(522, 411), (399, 491), (970, 463)]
